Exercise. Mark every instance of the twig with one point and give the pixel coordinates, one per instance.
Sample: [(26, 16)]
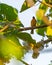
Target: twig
[(5, 27), (45, 3), (24, 62), (48, 40)]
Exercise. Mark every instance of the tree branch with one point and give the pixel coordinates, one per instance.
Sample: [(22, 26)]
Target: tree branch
[(45, 41), (45, 3), (48, 40), (40, 44), (36, 27), (26, 28)]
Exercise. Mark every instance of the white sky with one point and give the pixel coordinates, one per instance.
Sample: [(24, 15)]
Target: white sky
[(25, 17)]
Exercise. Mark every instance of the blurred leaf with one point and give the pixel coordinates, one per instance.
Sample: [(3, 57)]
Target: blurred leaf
[(50, 62), (27, 4), (39, 14), (18, 23), (49, 1), (50, 10), (26, 37), (49, 31), (1, 63), (1, 18), (50, 14), (9, 49), (50, 37), (35, 1), (43, 7), (24, 6), (9, 12), (30, 3), (4, 59), (46, 20), (41, 31), (41, 11), (12, 37)]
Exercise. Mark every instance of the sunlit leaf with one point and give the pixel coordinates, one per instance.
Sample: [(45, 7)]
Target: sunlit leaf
[(9, 49), (49, 31), (39, 14), (43, 7), (12, 37), (41, 11)]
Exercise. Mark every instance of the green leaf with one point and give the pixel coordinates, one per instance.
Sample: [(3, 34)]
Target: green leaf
[(35, 1), (18, 23), (24, 6), (50, 37), (41, 31), (26, 37), (50, 15), (1, 17), (9, 49), (50, 10), (27, 4), (44, 7), (9, 12), (12, 37), (47, 1)]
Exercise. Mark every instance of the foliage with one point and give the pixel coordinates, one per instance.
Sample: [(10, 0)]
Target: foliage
[(11, 31), (5, 10), (51, 62)]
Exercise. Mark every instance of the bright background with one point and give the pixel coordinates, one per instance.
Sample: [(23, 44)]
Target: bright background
[(25, 17)]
